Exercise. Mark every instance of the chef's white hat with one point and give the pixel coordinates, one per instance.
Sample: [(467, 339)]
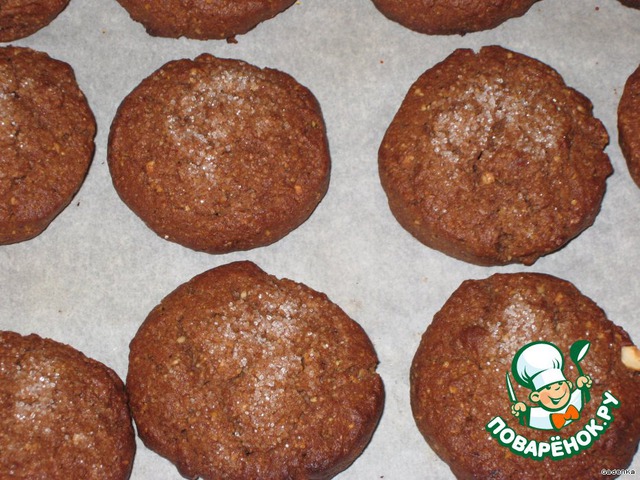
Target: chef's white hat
[(537, 365)]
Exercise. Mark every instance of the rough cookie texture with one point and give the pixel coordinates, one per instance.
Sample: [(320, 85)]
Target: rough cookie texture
[(492, 159), (202, 19), (46, 140), (447, 17), (629, 124), (219, 155), (21, 18), (458, 376), (238, 375), (63, 415)]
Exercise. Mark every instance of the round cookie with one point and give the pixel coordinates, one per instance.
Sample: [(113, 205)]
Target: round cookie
[(63, 415), (446, 17), (46, 138), (219, 155), (237, 374), (21, 18), (526, 332), (629, 124), (202, 19), (492, 159)]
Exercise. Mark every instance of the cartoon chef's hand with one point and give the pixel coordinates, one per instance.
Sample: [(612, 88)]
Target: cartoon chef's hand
[(518, 409), (584, 381)]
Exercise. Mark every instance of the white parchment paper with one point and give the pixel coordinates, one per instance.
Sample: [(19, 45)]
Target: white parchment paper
[(91, 278)]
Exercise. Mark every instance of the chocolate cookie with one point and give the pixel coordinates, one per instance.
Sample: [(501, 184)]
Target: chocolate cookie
[(63, 415), (447, 17), (522, 376), (202, 19), (21, 18), (631, 3), (629, 124), (46, 138), (492, 159), (238, 375), (219, 155)]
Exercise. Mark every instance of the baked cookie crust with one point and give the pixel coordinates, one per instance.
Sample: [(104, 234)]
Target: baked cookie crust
[(64, 415), (629, 124), (202, 19), (447, 17), (237, 374), (47, 134), (631, 3), (492, 159), (21, 18), (458, 378), (219, 155)]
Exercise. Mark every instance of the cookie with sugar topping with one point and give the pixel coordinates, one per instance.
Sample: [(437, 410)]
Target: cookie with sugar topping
[(63, 415), (493, 159), (237, 374), (21, 18), (446, 17), (629, 124), (47, 132), (522, 376), (219, 155), (203, 19)]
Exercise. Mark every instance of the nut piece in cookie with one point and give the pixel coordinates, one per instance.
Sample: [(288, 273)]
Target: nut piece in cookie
[(492, 159), (46, 139), (522, 376), (219, 155), (63, 415), (237, 374), (630, 356)]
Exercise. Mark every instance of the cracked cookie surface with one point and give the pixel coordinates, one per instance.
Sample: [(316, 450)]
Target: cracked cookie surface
[(492, 159), (458, 376), (219, 155), (237, 374)]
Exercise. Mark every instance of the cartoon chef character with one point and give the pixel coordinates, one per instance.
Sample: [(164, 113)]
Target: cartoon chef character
[(538, 367)]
